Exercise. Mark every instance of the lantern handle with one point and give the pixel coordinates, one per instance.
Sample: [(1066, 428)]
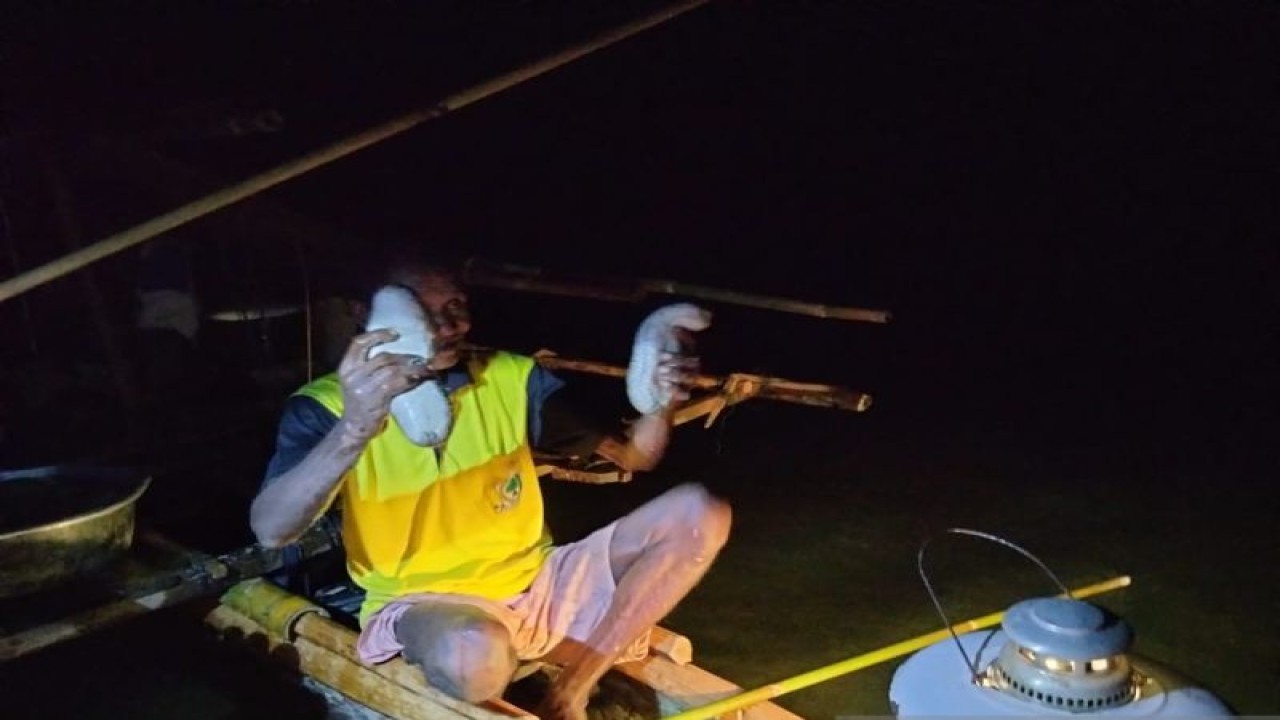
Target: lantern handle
[(972, 664)]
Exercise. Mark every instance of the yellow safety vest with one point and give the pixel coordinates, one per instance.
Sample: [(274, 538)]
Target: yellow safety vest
[(466, 518)]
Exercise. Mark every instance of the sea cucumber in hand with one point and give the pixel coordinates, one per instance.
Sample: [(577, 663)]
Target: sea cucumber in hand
[(422, 412), (657, 335)]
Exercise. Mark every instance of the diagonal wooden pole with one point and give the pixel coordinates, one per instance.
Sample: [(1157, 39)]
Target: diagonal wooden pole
[(139, 234)]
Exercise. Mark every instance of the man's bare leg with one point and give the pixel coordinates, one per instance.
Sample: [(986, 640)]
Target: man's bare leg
[(658, 553), (462, 650)]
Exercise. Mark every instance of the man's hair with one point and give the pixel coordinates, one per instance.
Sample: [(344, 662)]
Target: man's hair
[(400, 264)]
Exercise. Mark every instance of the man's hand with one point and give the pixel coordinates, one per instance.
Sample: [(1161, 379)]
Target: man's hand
[(677, 374), (370, 383), (646, 442)]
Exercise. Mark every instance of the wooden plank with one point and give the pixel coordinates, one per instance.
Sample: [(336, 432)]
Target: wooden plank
[(673, 646), (681, 687)]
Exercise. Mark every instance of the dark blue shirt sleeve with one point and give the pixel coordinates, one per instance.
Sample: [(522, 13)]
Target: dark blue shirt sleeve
[(303, 425), (542, 384), (558, 425)]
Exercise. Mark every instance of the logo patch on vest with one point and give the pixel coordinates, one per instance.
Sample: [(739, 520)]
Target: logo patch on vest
[(505, 494)]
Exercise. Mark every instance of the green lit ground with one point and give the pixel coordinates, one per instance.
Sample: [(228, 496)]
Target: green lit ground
[(822, 565)]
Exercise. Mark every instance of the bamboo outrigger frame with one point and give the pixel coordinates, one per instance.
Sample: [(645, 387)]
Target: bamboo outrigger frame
[(717, 394), (154, 587)]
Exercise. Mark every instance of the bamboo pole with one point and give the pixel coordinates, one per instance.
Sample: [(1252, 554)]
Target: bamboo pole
[(764, 386), (531, 282), (15, 261), (205, 575), (139, 234), (860, 662), (531, 279), (673, 646), (766, 302), (122, 371)]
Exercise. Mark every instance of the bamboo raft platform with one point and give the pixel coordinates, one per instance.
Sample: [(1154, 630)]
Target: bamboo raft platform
[(293, 629)]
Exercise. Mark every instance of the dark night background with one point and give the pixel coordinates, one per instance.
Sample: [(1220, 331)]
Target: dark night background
[(1069, 207)]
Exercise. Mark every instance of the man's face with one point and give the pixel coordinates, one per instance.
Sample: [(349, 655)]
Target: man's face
[(447, 311)]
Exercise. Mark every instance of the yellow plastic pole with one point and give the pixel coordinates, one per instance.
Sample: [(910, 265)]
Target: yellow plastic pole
[(860, 662), (139, 234)]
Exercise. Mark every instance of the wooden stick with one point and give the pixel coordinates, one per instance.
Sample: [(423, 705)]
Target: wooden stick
[(765, 386), (234, 193), (15, 263), (673, 646), (709, 406), (531, 279), (767, 302), (844, 667), (530, 283), (122, 374), (206, 576)]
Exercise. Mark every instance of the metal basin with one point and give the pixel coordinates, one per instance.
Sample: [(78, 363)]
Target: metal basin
[(60, 522)]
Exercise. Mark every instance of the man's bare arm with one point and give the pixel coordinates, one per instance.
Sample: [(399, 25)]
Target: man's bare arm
[(643, 448), (287, 506), (646, 442)]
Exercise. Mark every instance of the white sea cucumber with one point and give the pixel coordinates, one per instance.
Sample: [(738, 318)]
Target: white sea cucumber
[(423, 412), (657, 335)]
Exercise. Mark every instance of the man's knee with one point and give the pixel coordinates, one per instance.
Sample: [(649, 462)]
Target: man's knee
[(703, 519), (461, 650)]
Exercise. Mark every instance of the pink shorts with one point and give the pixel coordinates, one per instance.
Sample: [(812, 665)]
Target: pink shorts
[(567, 599)]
